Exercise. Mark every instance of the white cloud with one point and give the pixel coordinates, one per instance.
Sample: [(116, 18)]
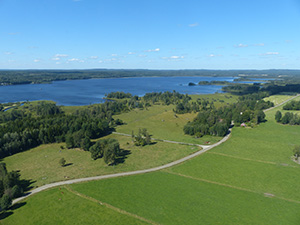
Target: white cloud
[(15, 33), (36, 60), (75, 60), (194, 25), (100, 61), (61, 55), (271, 53), (241, 46), (114, 54), (131, 53), (173, 57), (153, 50), (259, 44), (55, 58), (8, 53), (176, 57), (213, 55), (94, 57)]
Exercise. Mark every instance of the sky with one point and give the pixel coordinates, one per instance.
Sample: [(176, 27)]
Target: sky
[(150, 34)]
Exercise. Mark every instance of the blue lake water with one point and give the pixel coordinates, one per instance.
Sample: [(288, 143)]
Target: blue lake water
[(85, 92)]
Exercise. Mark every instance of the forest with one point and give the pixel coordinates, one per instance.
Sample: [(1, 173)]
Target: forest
[(45, 122), (15, 77), (292, 105)]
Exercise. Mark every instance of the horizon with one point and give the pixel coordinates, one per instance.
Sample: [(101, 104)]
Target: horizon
[(132, 35)]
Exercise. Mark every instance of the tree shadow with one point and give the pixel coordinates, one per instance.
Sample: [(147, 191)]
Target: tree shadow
[(9, 212), (153, 143), (5, 214), (68, 164), (122, 156), (27, 184), (17, 205)]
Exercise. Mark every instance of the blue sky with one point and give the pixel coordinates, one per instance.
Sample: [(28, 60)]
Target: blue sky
[(150, 34)]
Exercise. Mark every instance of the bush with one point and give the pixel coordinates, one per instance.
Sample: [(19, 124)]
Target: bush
[(62, 162)]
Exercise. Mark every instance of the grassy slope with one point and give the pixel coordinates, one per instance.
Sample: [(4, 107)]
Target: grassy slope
[(171, 199), (162, 123), (60, 206), (224, 186), (39, 164)]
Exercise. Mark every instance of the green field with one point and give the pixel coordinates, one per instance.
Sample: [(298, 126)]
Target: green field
[(60, 206), (39, 164), (277, 99), (171, 199), (161, 123), (249, 179)]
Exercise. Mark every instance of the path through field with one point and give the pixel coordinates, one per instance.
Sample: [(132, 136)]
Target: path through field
[(205, 148)]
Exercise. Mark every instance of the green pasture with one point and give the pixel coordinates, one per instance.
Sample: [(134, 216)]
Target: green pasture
[(162, 123), (41, 164), (171, 199), (219, 99), (60, 206), (260, 177), (270, 141), (277, 99), (249, 179)]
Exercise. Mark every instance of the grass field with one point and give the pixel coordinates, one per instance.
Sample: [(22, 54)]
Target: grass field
[(60, 206), (171, 199), (249, 179), (219, 99), (277, 99), (39, 164), (161, 123)]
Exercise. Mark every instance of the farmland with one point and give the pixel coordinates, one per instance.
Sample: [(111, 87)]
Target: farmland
[(249, 179)]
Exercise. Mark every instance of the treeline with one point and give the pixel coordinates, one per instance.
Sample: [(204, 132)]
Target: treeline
[(213, 82), (292, 105), (30, 131), (270, 89), (287, 118), (14, 77), (197, 106), (10, 187), (242, 89), (118, 95), (212, 121), (45, 123), (166, 98)]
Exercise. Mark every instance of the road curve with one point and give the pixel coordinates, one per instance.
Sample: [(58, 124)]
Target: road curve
[(47, 186), (205, 148)]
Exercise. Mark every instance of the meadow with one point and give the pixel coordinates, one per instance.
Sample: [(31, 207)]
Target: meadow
[(39, 164), (60, 206), (249, 179), (162, 123)]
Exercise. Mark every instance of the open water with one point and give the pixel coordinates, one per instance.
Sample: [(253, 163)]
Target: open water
[(85, 92)]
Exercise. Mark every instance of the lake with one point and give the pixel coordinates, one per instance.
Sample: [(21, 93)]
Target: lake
[(85, 92)]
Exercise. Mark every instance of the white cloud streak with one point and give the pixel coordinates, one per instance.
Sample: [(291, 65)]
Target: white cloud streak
[(153, 50), (194, 25), (61, 55), (241, 46), (271, 53), (75, 60)]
